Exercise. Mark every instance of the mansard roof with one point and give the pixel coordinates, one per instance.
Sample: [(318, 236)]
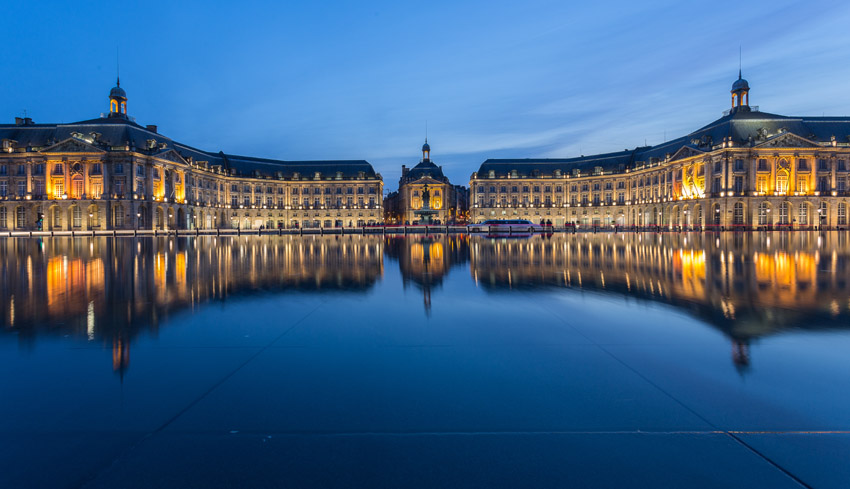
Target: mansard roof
[(743, 128), (117, 134), (425, 168)]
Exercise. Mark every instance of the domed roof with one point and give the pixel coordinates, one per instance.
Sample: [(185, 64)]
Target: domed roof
[(117, 91), (740, 84), (426, 147)]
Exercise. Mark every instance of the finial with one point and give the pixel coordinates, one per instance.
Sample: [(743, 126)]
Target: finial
[(739, 62)]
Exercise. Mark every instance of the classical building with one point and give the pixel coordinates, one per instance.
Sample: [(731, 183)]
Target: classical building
[(425, 184), (111, 173), (748, 169)]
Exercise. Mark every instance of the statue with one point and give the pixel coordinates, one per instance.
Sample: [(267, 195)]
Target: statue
[(426, 198)]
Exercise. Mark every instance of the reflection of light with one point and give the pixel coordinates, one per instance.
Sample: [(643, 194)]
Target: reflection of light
[(90, 321)]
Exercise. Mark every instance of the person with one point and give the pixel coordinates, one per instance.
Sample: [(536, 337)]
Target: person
[(549, 223)]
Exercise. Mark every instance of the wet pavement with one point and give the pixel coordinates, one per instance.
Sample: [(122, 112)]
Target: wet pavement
[(651, 360)]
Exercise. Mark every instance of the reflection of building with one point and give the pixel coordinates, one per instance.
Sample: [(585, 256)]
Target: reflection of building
[(111, 173), (426, 260), (748, 285), (108, 290), (425, 183), (746, 169)]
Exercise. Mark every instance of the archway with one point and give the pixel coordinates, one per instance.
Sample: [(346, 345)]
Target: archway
[(75, 217), (182, 223), (93, 216), (159, 222)]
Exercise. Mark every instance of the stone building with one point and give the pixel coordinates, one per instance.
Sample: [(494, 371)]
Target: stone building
[(449, 202), (112, 173), (748, 169)]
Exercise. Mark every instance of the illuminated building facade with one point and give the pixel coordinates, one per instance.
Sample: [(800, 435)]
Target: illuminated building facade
[(748, 170), (406, 205), (111, 173)]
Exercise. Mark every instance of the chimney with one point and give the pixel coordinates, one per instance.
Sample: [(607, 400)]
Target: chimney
[(151, 127)]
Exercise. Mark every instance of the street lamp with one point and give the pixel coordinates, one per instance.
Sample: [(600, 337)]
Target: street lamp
[(138, 219)]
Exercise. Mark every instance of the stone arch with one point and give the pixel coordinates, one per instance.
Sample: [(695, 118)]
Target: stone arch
[(75, 217), (763, 211), (20, 218), (739, 216), (159, 218), (698, 218), (117, 216), (142, 218), (181, 219), (715, 218), (93, 217)]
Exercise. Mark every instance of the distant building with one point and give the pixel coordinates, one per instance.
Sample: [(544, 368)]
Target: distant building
[(111, 173), (748, 169), (407, 205)]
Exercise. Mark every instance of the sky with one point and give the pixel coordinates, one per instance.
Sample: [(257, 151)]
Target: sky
[(362, 80)]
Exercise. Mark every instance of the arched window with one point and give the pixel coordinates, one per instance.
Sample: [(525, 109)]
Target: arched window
[(2, 217), (77, 186), (783, 213), (77, 214), (823, 214), (842, 214), (763, 214), (20, 218), (804, 214), (738, 214)]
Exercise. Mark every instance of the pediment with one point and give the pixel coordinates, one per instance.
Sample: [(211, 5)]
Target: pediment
[(685, 152), (425, 181), (788, 140), (171, 155), (72, 145)]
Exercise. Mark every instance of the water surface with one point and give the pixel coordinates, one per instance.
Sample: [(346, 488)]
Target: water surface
[(337, 361)]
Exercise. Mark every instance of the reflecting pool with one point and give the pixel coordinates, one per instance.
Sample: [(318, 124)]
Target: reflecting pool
[(595, 360)]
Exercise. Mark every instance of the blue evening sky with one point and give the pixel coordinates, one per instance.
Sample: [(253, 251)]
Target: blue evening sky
[(359, 80)]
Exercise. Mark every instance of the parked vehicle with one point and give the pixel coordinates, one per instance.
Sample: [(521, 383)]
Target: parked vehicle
[(505, 226)]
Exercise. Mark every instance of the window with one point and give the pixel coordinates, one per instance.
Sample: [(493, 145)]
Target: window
[(761, 184), (77, 216), (3, 218), (781, 183), (803, 185), (739, 165), (22, 170), (118, 168), (738, 214), (739, 185), (823, 165), (58, 169), (20, 218), (842, 165), (783, 213), (762, 166), (823, 212), (4, 189), (22, 188), (480, 189), (95, 168), (840, 186), (764, 209), (38, 169), (802, 164), (804, 214), (842, 214)]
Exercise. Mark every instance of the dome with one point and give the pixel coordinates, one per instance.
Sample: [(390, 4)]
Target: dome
[(426, 147), (118, 92), (740, 84)]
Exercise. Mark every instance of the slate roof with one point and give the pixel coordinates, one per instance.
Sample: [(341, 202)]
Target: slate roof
[(425, 168), (744, 127), (118, 133)]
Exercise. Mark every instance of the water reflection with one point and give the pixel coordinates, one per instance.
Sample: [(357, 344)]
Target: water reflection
[(110, 289)]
